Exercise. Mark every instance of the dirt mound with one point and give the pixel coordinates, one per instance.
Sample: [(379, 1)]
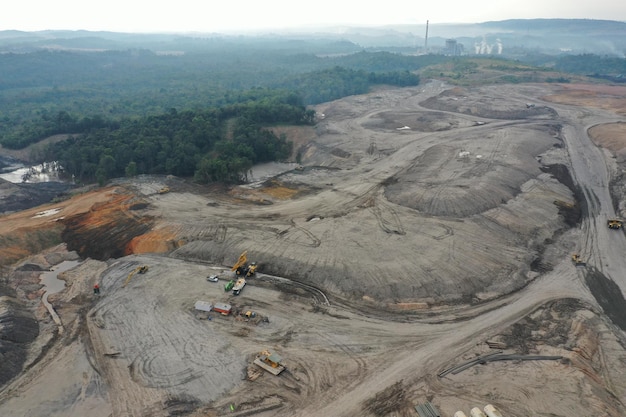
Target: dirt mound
[(107, 229), (477, 103), (462, 178)]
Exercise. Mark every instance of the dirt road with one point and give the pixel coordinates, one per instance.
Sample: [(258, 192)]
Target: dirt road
[(424, 222)]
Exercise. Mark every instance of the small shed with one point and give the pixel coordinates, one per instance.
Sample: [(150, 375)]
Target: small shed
[(203, 306), (222, 308)]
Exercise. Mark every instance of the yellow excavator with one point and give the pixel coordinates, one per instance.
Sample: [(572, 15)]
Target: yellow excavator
[(242, 267), (241, 264), (140, 269)]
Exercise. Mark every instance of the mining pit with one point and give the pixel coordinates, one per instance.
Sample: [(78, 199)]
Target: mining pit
[(422, 228)]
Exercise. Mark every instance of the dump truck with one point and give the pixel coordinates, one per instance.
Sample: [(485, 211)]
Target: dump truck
[(241, 282), (614, 224)]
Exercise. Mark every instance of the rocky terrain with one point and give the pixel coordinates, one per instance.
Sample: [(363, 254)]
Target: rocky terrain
[(424, 227)]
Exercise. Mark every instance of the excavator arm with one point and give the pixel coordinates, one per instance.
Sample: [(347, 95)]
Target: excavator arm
[(241, 263)]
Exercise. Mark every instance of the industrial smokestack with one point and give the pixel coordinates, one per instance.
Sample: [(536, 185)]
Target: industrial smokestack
[(426, 38)]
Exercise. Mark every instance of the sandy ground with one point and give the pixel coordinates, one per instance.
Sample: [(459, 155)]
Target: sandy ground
[(422, 224)]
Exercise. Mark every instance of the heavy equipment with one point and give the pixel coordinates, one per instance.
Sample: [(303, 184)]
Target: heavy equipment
[(242, 267), (241, 264), (229, 285), (241, 282), (140, 269), (614, 224), (250, 269), (578, 261), (164, 190), (271, 362)]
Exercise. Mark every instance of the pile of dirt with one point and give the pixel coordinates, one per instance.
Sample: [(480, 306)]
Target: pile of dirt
[(473, 102), (458, 180), (107, 229)]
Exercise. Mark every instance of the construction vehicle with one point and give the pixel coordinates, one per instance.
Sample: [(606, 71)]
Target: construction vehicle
[(164, 190), (229, 285), (241, 282), (250, 269), (140, 269), (271, 362), (242, 267), (241, 264), (614, 224), (249, 314), (578, 261)]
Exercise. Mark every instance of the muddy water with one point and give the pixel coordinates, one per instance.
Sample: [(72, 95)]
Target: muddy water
[(50, 281)]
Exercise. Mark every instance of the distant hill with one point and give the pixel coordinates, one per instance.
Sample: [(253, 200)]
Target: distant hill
[(550, 36)]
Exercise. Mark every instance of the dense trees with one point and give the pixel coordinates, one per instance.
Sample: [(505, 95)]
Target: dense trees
[(215, 144)]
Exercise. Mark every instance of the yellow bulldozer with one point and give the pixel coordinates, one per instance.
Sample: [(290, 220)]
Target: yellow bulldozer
[(614, 224)]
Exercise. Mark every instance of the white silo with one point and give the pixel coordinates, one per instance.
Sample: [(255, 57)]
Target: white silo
[(475, 412), (492, 411)]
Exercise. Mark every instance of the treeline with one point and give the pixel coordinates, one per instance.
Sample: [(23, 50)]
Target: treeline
[(215, 144), (592, 65)]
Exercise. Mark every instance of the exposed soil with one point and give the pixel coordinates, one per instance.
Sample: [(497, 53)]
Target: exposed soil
[(425, 227)]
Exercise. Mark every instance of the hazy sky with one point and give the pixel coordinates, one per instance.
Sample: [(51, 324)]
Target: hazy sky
[(241, 15)]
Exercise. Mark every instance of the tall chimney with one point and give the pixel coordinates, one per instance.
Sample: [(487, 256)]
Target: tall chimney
[(426, 38)]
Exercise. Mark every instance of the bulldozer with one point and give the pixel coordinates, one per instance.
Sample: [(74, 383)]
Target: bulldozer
[(614, 224), (164, 190), (578, 261), (250, 269)]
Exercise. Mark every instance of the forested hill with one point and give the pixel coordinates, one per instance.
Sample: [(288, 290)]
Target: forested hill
[(216, 144)]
